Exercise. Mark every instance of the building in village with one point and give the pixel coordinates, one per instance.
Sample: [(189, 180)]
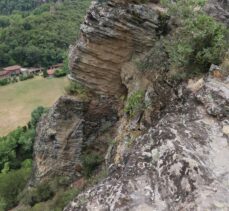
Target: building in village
[(13, 70), (10, 71), (31, 70), (3, 74), (17, 70)]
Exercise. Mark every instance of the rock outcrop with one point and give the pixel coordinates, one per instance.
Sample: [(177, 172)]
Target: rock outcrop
[(173, 154), (180, 164), (59, 141), (65, 132), (111, 33)]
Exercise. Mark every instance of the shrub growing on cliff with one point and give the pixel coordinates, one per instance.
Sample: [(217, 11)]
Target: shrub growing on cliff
[(155, 59), (201, 42), (198, 41), (36, 115), (11, 184), (41, 193), (135, 103), (75, 88), (90, 162)]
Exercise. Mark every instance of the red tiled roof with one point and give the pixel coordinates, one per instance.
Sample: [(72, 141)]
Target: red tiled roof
[(3, 73), (12, 68)]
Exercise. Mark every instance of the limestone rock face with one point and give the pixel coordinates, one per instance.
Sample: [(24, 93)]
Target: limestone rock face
[(111, 33), (180, 164)]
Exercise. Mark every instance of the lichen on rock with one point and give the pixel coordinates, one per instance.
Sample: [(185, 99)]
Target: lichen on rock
[(180, 164)]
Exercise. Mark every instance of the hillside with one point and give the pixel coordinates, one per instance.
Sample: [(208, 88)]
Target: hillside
[(41, 35), (144, 123), (10, 6)]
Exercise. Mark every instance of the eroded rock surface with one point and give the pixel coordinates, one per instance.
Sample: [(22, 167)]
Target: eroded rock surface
[(65, 131), (58, 145), (180, 164), (111, 33)]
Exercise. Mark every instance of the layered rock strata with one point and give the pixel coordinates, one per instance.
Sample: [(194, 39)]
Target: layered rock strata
[(111, 33)]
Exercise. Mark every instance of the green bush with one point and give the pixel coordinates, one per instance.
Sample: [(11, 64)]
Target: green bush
[(11, 184), (36, 115), (90, 162), (135, 103), (60, 73), (4, 82), (45, 73), (199, 40), (155, 59), (14, 79), (25, 77), (17, 145), (45, 191), (202, 42), (62, 198), (183, 9), (41, 193), (75, 88)]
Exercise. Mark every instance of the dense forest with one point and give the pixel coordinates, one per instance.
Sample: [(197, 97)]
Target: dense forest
[(38, 33), (9, 6)]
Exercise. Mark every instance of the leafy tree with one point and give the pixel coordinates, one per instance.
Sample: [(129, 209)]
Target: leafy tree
[(16, 162), (60, 73), (11, 184), (17, 145), (36, 115)]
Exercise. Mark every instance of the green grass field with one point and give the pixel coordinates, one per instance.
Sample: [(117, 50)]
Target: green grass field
[(18, 100)]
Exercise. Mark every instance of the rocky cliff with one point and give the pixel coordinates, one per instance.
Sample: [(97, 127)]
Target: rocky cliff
[(101, 60), (111, 33), (172, 154), (69, 128), (180, 164)]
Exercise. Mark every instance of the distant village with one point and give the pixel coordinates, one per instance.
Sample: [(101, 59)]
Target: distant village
[(17, 70)]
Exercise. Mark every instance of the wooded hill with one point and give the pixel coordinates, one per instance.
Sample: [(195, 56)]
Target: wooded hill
[(34, 33)]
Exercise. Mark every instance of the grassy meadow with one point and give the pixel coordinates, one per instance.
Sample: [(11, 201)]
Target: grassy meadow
[(18, 100)]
